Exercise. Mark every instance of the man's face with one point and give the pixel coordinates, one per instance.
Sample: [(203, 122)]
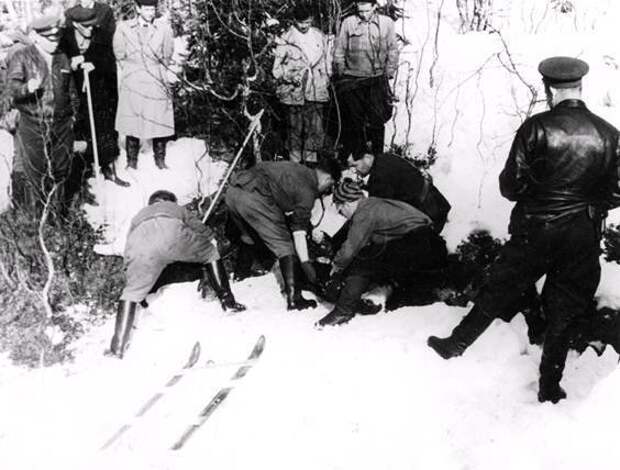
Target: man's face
[(147, 12), (303, 26), (346, 209), (365, 10), (363, 165)]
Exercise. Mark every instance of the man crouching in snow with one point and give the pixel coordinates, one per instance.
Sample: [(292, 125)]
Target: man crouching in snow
[(383, 243), (562, 172), (161, 234), (273, 199)]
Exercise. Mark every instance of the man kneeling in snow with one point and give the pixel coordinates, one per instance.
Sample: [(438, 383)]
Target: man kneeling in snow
[(385, 241), (161, 234)]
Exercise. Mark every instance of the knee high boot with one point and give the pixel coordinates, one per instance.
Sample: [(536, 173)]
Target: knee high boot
[(125, 318), (132, 147), (551, 369), (159, 152), (292, 290), (463, 335), (218, 279)]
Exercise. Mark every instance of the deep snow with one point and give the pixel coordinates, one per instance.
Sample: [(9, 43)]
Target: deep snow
[(371, 394)]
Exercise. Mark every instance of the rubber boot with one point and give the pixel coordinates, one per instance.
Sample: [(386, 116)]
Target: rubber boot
[(159, 153), (294, 299), (217, 277), (109, 173), (132, 147), (463, 336), (125, 318)]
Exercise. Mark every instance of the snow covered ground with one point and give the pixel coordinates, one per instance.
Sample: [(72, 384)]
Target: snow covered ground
[(371, 394)]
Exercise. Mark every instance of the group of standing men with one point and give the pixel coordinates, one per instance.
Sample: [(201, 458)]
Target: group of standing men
[(355, 71), (60, 125)]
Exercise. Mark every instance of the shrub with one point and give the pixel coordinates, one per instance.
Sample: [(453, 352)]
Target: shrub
[(81, 278)]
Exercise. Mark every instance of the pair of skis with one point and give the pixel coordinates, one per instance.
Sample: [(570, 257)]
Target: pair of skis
[(208, 410)]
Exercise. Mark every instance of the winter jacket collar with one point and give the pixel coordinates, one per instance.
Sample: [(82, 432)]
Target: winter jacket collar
[(571, 103)]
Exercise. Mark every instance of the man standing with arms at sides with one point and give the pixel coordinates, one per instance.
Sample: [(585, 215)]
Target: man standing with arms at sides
[(562, 172), (365, 59), (302, 69), (143, 47)]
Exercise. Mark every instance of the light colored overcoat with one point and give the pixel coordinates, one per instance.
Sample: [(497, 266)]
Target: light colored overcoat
[(144, 52)]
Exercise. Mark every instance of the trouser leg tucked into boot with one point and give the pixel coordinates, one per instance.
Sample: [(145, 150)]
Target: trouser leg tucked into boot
[(159, 152), (132, 147), (292, 290), (217, 277), (463, 336), (349, 301), (125, 318)]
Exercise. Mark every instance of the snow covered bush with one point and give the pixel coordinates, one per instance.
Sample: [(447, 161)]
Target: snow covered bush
[(80, 277)]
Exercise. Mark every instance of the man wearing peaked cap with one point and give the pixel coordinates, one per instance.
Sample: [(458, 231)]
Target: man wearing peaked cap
[(43, 92), (386, 241), (562, 173)]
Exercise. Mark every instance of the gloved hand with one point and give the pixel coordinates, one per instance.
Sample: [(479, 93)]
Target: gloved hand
[(308, 268), (331, 289)]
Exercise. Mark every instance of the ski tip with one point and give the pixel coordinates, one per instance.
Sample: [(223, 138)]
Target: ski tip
[(194, 356)]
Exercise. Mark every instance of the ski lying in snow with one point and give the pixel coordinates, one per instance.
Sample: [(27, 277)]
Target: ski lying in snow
[(175, 379), (221, 395)]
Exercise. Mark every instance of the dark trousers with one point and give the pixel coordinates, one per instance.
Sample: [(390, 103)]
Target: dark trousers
[(364, 110), (397, 261), (568, 253)]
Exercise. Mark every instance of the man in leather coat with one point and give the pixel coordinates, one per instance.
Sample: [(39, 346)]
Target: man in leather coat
[(562, 172)]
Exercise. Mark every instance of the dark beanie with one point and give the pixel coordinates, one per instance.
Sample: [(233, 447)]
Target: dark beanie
[(147, 3), (347, 190)]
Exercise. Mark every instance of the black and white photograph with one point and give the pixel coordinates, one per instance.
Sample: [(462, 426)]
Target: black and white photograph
[(309, 234)]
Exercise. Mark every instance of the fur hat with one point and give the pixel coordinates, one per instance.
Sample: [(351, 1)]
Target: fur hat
[(347, 190)]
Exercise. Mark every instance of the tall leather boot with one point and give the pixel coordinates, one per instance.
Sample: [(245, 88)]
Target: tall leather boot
[(159, 152), (463, 335), (552, 363), (218, 278), (294, 299), (132, 147), (125, 318), (109, 173)]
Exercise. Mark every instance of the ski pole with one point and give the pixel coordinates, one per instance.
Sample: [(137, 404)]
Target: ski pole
[(91, 118), (251, 130)]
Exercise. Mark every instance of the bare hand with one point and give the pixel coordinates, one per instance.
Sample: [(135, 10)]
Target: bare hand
[(34, 84), (88, 67), (76, 61)]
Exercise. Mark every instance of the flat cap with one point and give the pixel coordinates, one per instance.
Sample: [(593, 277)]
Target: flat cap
[(563, 72), (85, 16), (45, 25), (147, 3)]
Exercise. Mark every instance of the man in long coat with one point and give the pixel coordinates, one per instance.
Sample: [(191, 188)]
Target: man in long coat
[(44, 92), (562, 172), (143, 47), (87, 40)]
